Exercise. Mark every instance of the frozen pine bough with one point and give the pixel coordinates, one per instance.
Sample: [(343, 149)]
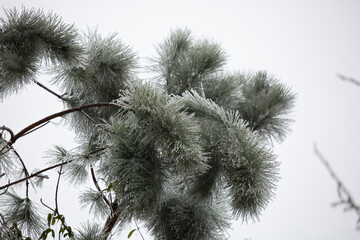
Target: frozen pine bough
[(182, 153)]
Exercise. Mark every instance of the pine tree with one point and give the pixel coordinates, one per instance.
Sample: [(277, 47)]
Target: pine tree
[(183, 152)]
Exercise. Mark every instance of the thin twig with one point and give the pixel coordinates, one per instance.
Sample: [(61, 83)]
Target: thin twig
[(5, 189), (96, 123), (3, 223), (58, 114), (50, 91), (34, 174), (349, 79), (46, 205), (11, 137), (343, 194), (139, 230), (6, 146), (97, 150), (66, 100), (57, 190), (43, 125), (100, 191), (24, 169)]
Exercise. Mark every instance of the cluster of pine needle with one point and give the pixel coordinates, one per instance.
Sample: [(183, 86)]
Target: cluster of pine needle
[(181, 152)]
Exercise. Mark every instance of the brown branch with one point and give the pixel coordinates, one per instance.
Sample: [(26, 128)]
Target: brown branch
[(46, 205), (96, 123), (5, 191), (66, 100), (58, 114), (111, 222), (99, 190), (96, 151), (57, 191), (24, 168), (50, 91), (34, 174), (343, 194), (33, 130)]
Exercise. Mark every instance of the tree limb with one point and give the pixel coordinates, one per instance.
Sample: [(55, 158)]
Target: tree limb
[(111, 222), (20, 134), (99, 190), (349, 79), (50, 91), (34, 174), (343, 194), (24, 168), (66, 100), (57, 191)]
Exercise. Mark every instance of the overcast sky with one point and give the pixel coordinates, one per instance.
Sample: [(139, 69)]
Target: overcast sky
[(303, 43)]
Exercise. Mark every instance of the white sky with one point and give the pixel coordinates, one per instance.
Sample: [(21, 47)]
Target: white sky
[(304, 43)]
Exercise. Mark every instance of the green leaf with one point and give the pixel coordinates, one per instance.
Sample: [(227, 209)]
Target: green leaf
[(109, 187), (131, 232), (49, 219), (70, 231), (62, 219)]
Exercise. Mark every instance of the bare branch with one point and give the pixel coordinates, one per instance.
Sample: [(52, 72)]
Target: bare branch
[(3, 223), (99, 190), (57, 191), (58, 114), (5, 191), (348, 79), (34, 174), (24, 169), (66, 100), (344, 195), (50, 91), (96, 123), (139, 230), (111, 221), (46, 205), (33, 130)]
